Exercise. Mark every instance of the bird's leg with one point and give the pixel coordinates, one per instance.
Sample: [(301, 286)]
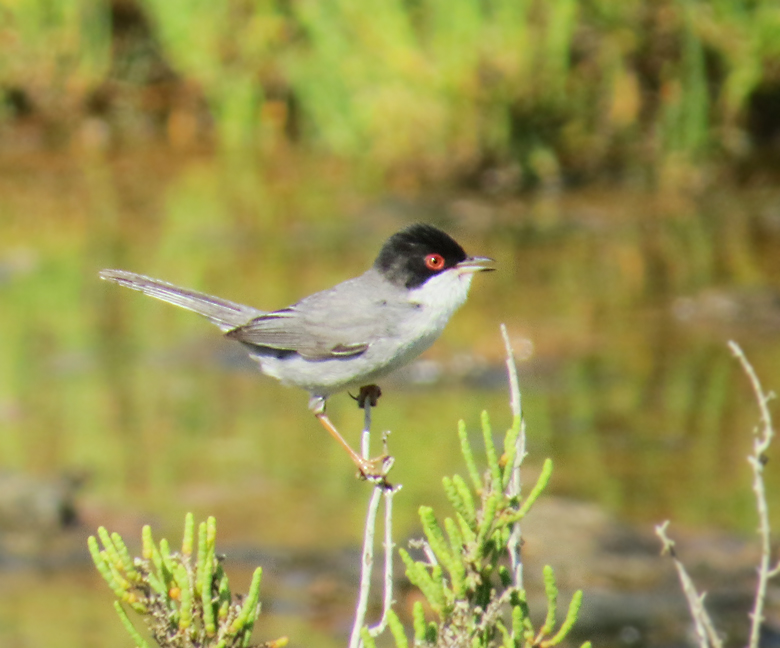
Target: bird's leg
[(368, 397), (371, 469)]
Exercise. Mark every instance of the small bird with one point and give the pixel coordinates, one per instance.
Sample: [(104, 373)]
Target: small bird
[(349, 335)]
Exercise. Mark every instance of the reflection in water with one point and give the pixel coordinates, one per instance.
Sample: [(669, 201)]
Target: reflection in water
[(627, 301)]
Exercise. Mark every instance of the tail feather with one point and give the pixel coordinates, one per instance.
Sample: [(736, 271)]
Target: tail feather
[(225, 314)]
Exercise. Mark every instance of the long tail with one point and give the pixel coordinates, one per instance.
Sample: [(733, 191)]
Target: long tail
[(225, 314)]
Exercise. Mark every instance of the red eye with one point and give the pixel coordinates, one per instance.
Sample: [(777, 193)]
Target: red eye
[(434, 262)]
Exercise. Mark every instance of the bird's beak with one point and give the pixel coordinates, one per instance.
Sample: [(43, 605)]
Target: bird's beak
[(475, 264)]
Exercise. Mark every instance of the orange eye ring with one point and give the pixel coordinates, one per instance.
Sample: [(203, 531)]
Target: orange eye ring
[(434, 262)]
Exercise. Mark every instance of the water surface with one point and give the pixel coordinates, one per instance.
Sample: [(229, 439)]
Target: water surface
[(619, 304)]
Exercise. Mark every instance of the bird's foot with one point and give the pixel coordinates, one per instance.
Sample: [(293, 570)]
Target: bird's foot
[(375, 470), (368, 394)]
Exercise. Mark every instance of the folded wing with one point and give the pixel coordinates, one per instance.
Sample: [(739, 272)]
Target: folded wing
[(288, 329)]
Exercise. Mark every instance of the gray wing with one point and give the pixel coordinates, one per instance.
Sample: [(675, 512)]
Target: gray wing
[(227, 315), (336, 323), (289, 330)]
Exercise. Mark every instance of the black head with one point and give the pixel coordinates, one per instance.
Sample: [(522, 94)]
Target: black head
[(417, 253)]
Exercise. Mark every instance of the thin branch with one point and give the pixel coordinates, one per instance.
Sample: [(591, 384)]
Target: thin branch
[(511, 367), (706, 635), (389, 545), (762, 439), (420, 543), (366, 566), (367, 556), (767, 431), (515, 539), (367, 561)]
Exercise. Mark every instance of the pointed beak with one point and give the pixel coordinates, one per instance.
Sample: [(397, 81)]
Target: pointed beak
[(475, 264)]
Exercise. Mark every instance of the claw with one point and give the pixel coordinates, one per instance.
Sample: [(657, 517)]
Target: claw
[(375, 470), (368, 394)]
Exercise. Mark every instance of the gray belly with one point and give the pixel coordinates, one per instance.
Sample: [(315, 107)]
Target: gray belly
[(326, 377)]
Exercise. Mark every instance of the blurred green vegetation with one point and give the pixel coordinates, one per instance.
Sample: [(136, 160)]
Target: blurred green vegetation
[(548, 92)]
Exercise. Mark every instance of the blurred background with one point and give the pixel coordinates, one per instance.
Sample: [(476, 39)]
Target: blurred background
[(617, 159)]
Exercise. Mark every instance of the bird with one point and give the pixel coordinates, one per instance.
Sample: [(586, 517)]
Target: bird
[(352, 334)]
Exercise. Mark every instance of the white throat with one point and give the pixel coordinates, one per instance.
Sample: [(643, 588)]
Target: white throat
[(440, 297)]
